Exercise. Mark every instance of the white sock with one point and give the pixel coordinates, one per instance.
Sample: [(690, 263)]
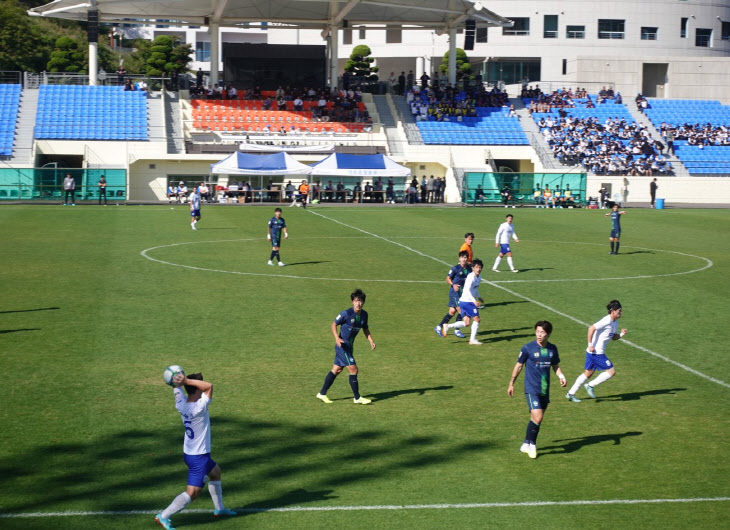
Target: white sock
[(216, 492), (474, 328), (605, 376), (496, 262), (177, 505), (578, 383), (456, 325), (509, 262)]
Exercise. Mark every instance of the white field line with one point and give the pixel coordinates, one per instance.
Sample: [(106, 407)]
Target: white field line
[(544, 306), (382, 507)]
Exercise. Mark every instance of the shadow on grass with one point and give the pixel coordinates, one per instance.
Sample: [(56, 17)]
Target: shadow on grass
[(29, 310), (21, 329), (535, 269), (305, 263), (395, 393), (574, 444), (265, 464), (509, 302), (638, 252), (635, 396)]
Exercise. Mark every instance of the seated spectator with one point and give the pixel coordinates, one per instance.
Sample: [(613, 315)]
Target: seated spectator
[(267, 103), (298, 104), (479, 195), (232, 92), (172, 193), (538, 198), (204, 192), (281, 103), (289, 191), (357, 193), (368, 196), (506, 194), (329, 191)]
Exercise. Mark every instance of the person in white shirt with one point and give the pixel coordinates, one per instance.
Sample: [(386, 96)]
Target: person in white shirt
[(468, 303), (196, 447), (501, 241), (194, 207), (599, 335)]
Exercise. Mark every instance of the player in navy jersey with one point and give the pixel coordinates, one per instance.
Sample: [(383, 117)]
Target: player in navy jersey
[(538, 358), (455, 278), (469, 303), (615, 216), (276, 226), (351, 321)]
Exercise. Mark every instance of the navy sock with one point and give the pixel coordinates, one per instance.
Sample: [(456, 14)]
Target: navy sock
[(532, 431), (355, 387), (273, 255), (613, 245), (617, 245), (276, 255), (445, 320), (458, 317), (328, 382)]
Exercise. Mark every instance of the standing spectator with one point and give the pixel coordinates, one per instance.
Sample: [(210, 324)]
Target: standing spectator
[(410, 79), (121, 74), (424, 80), (199, 78), (174, 79), (652, 191), (424, 190), (393, 80), (429, 189), (437, 190), (69, 187), (670, 141), (390, 193), (102, 189), (402, 83)]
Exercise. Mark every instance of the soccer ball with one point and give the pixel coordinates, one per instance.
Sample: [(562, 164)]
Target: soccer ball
[(170, 372)]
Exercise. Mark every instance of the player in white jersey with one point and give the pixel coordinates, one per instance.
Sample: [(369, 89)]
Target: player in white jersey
[(194, 207), (599, 335), (501, 241), (468, 303), (196, 447)]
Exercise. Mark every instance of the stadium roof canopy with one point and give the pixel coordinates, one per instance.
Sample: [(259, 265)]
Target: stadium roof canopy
[(434, 14)]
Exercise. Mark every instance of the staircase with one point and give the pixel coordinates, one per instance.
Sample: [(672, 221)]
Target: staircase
[(23, 148), (173, 124), (390, 125), (155, 118), (537, 141)]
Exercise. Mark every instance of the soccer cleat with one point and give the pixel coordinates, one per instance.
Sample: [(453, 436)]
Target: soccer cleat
[(164, 523), (475, 342), (324, 398), (459, 334), (525, 447), (532, 451), (571, 397), (223, 511), (281, 264), (590, 391), (515, 270), (437, 329), (495, 270), (271, 262), (363, 400), (444, 330), (193, 227)]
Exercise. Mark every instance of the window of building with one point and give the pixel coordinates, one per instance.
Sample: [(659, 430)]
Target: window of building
[(726, 31), (550, 27), (394, 35), (361, 35), (683, 28), (202, 52), (521, 27), (565, 66), (609, 28), (346, 36), (481, 36), (575, 32), (703, 37), (648, 33)]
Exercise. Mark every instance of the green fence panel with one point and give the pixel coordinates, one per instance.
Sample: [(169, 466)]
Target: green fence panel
[(47, 183), (523, 185)]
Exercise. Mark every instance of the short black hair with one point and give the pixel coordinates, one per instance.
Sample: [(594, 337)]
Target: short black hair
[(277, 210), (510, 215), (190, 389), (468, 234), (613, 305), (545, 325), (477, 262), (464, 253), (357, 293)]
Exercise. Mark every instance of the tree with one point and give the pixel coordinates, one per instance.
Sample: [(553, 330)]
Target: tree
[(463, 66), (67, 56), (164, 55), (360, 63), (25, 43)]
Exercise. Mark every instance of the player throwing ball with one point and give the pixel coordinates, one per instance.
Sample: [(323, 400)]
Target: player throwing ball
[(599, 335), (501, 241), (468, 304), (538, 357), (351, 321), (196, 447), (277, 225)]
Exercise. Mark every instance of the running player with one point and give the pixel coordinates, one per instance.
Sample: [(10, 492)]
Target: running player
[(538, 357), (501, 241), (273, 234), (196, 448), (468, 242), (468, 304), (351, 321), (194, 207), (615, 216), (599, 335), (455, 278)]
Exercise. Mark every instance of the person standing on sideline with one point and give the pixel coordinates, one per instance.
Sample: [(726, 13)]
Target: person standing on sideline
[(538, 357), (455, 278), (468, 241), (304, 193), (615, 216), (351, 321), (501, 241), (194, 207), (273, 234), (196, 447), (102, 189), (599, 335), (69, 187), (652, 191), (468, 304)]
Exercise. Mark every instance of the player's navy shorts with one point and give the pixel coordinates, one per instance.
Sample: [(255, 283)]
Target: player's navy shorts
[(343, 356), (454, 298), (597, 361), (616, 234), (194, 213), (536, 401), (275, 241), (198, 468), (504, 249), (468, 309)]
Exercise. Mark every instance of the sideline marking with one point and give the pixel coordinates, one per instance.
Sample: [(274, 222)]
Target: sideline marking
[(553, 310), (377, 507)]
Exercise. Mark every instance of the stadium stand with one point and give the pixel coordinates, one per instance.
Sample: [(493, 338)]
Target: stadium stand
[(91, 113), (9, 103)]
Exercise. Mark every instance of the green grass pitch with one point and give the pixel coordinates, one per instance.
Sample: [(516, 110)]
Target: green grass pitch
[(96, 302)]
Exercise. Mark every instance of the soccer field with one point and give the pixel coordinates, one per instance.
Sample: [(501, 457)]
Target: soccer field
[(98, 301)]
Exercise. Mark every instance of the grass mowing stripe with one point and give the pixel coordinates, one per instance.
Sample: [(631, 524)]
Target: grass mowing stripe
[(544, 306), (377, 507)]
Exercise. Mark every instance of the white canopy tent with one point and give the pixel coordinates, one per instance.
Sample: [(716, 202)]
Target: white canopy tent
[(262, 165), (344, 165)]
